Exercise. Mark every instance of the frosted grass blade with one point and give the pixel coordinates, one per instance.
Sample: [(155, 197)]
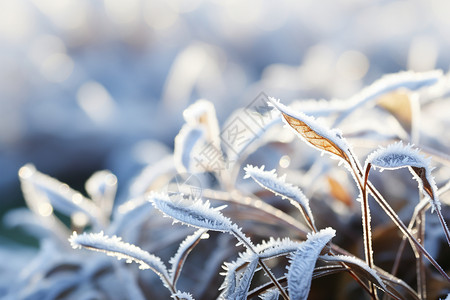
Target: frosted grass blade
[(270, 181), (303, 261)]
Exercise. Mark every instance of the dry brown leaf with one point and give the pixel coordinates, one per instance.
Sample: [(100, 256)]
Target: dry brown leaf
[(329, 140), (314, 138), (339, 192)]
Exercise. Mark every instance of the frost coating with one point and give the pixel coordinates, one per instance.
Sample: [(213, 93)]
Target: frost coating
[(357, 263), (303, 261), (245, 280), (182, 296), (198, 214), (314, 133), (267, 249), (273, 294), (396, 156), (114, 246), (185, 247), (278, 186)]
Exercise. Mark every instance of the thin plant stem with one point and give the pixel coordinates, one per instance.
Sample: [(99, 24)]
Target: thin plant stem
[(421, 279), (367, 233), (394, 217), (391, 213), (272, 277)]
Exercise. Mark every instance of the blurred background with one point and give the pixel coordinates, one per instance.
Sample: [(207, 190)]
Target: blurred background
[(87, 85)]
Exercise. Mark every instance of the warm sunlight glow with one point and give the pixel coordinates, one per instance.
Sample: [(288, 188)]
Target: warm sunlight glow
[(45, 209)]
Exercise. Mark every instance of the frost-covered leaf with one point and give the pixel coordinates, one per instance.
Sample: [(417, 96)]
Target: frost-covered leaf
[(400, 105), (397, 156), (183, 251), (303, 261), (269, 180), (182, 296), (197, 213), (200, 133), (60, 195), (266, 250), (275, 248), (272, 294), (129, 219), (203, 113), (314, 133), (102, 188), (359, 267), (244, 281), (256, 124), (388, 83), (114, 246), (187, 139)]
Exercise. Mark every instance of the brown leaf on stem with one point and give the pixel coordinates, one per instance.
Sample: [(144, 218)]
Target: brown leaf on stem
[(421, 173), (314, 133), (313, 137)]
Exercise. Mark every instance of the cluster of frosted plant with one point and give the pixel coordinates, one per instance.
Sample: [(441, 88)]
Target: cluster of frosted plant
[(247, 241)]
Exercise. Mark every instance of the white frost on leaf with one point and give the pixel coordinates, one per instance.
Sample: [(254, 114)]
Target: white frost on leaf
[(303, 261), (184, 249), (102, 188), (45, 189), (388, 83), (277, 185), (272, 294), (318, 135), (200, 132), (197, 213), (114, 246), (396, 156), (355, 262), (182, 296)]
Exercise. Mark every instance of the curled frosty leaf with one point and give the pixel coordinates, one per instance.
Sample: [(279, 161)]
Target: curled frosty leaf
[(183, 251), (102, 188), (314, 133), (392, 82), (303, 262), (240, 293), (396, 156), (114, 246), (272, 294)]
